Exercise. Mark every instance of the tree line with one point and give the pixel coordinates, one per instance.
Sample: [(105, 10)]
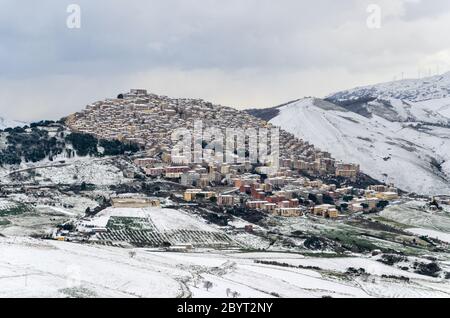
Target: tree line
[(33, 144)]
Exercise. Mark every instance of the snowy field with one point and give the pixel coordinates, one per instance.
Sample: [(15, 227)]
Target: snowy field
[(6, 205), (163, 219), (444, 237), (98, 171), (398, 131), (33, 268), (168, 219), (153, 227), (94, 172), (413, 215)]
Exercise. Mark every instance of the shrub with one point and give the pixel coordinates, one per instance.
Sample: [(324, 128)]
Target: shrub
[(83, 144)]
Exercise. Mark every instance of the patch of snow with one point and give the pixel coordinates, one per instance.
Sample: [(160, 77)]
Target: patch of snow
[(8, 123), (36, 268), (445, 237), (391, 152)]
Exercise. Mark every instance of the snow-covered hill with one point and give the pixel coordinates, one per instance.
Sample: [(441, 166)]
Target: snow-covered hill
[(413, 90), (36, 268), (398, 132), (8, 123)]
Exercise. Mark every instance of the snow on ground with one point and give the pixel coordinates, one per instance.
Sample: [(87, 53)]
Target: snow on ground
[(56, 210), (414, 215), (251, 241), (9, 123), (342, 264), (164, 219), (168, 219), (290, 282), (391, 288), (386, 150), (414, 90), (35, 268), (98, 171), (440, 106), (122, 212), (30, 268), (90, 171), (398, 131), (6, 205), (445, 237)]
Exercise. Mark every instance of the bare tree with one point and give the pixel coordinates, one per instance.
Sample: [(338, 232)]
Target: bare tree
[(207, 285)]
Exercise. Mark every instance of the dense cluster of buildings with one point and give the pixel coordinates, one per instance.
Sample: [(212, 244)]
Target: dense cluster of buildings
[(149, 120), (284, 192)]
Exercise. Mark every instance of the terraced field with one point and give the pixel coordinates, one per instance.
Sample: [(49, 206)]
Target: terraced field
[(9, 208), (154, 228), (149, 238)]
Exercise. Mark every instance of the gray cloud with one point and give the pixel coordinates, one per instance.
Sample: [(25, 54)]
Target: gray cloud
[(247, 53)]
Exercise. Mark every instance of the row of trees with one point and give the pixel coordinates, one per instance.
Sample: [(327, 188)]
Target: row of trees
[(33, 144), (85, 144)]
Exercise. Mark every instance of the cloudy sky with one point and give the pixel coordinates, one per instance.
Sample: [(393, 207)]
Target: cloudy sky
[(242, 53)]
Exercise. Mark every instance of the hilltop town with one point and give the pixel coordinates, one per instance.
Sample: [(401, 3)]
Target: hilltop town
[(149, 120), (296, 187)]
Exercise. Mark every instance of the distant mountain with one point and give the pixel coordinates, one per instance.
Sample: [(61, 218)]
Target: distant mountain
[(414, 90), (8, 123), (398, 132), (414, 100)]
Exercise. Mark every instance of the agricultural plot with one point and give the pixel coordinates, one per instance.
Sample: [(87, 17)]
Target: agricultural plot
[(4, 204), (135, 224), (414, 215), (357, 234), (139, 238), (414, 218), (154, 227), (200, 238), (9, 208)]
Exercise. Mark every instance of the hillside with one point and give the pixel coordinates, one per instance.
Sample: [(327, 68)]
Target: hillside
[(398, 132), (435, 88), (83, 271), (49, 141)]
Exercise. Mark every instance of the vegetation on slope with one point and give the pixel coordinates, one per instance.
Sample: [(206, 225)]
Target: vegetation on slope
[(48, 139)]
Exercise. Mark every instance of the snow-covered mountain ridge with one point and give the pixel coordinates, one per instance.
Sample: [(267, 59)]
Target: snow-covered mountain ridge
[(413, 90)]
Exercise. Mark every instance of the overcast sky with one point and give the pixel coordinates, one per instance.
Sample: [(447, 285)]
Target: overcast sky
[(241, 53)]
